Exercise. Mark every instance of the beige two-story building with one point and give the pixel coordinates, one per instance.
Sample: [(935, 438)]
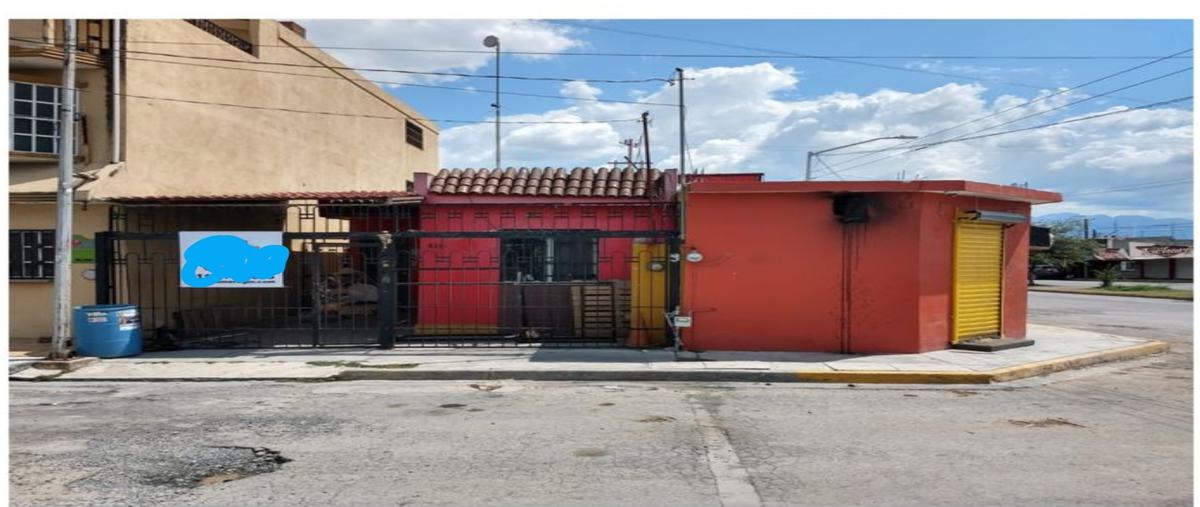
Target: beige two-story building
[(176, 115)]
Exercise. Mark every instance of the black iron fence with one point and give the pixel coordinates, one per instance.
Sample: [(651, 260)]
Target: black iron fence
[(364, 274)]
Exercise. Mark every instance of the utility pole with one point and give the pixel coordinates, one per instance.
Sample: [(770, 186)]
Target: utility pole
[(66, 197), (682, 130), (681, 191), (646, 141), (492, 41)]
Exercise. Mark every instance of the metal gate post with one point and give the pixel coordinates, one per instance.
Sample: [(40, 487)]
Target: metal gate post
[(315, 272), (104, 266), (387, 291)]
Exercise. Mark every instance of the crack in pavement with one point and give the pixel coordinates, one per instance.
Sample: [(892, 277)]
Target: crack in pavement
[(734, 487)]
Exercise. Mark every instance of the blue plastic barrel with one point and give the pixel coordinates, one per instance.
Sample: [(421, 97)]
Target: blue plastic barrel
[(108, 331)]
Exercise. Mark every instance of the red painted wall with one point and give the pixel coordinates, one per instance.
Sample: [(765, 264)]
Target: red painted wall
[(473, 265), (781, 273)]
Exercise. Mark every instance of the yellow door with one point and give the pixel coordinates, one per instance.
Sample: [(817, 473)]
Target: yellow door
[(978, 279), (648, 295)]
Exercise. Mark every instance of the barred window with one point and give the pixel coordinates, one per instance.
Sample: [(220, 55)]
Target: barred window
[(548, 259), (31, 254), (414, 134)]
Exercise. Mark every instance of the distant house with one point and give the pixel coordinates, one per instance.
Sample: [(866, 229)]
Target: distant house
[(1149, 258)]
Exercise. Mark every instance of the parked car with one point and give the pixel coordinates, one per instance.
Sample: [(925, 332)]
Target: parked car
[(1048, 272)]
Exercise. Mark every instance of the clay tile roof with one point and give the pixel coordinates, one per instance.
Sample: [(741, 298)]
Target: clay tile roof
[(547, 181), (1110, 254)]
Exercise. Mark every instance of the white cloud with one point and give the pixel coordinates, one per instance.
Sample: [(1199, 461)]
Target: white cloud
[(450, 34), (579, 90), (738, 123)]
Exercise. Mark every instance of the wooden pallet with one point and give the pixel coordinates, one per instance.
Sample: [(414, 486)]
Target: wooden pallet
[(600, 309)]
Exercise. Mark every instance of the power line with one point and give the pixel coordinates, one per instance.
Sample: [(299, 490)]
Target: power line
[(1057, 123), (1141, 186), (1045, 125), (650, 55), (400, 71), (401, 83), (1064, 106), (1025, 104), (995, 149), (817, 57), (352, 115), (830, 169)]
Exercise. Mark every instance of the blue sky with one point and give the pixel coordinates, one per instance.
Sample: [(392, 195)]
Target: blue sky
[(761, 113)]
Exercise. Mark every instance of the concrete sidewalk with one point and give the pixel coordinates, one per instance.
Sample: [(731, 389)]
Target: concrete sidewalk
[(1056, 349)]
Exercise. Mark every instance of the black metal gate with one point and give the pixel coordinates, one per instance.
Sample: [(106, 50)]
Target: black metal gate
[(361, 274)]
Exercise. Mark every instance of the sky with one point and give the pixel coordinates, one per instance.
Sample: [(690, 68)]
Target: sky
[(753, 106)]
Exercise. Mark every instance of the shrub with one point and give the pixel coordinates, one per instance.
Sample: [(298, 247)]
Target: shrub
[(1107, 276)]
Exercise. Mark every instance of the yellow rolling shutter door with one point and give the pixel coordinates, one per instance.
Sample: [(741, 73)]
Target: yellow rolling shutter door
[(978, 279)]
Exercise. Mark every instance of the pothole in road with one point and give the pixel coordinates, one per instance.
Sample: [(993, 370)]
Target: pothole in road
[(218, 464)]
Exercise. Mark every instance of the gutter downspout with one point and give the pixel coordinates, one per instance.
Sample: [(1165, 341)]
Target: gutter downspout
[(115, 61)]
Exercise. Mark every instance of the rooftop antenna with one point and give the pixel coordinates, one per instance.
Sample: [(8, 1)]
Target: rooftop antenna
[(630, 144)]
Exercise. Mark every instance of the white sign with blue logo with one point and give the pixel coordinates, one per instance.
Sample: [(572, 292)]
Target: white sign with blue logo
[(237, 259)]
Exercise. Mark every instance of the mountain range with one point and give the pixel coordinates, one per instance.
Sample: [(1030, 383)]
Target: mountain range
[(1125, 225)]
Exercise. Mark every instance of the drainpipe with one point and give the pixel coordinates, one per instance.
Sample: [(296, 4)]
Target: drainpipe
[(115, 72)]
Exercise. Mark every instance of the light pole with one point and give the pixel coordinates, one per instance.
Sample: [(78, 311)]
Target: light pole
[(66, 199), (492, 41), (811, 154)]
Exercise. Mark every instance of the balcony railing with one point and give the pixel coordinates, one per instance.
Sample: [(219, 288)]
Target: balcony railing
[(221, 33)]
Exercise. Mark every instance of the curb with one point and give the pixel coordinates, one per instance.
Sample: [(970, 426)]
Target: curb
[(1079, 361), (838, 377), (1066, 290)]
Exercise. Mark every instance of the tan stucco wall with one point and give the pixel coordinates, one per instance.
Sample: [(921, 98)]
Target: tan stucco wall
[(29, 303), (25, 29), (174, 148)]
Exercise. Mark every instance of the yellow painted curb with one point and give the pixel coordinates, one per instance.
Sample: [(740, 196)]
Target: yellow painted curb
[(1066, 363), (982, 377)]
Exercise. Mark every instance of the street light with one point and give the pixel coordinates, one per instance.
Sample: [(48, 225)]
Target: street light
[(811, 154), (492, 41)]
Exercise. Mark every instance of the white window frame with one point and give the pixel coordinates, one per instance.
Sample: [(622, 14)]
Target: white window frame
[(32, 117)]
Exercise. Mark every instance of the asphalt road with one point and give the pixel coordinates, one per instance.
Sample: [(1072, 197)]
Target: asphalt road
[(1160, 319), (1112, 435)]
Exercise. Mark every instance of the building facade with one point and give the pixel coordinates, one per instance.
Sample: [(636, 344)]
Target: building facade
[(1146, 258), (207, 111), (545, 255), (854, 267)]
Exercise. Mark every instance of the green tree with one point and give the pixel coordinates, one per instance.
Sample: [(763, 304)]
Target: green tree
[(1069, 248)]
